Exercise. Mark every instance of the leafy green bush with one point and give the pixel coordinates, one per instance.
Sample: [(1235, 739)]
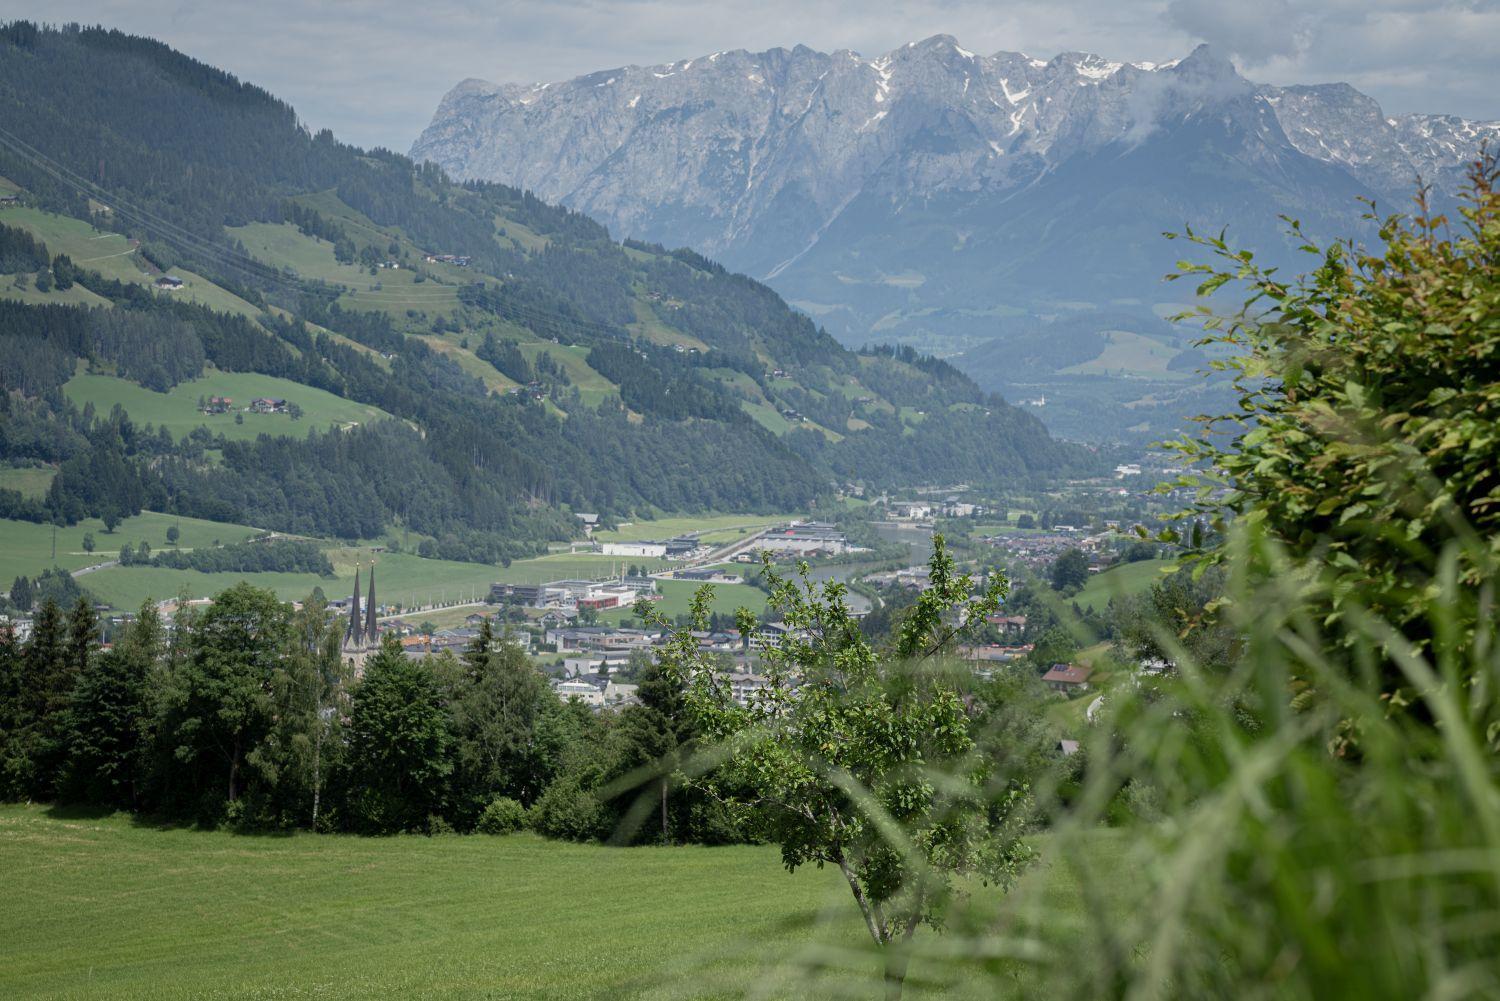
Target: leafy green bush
[(567, 810), (503, 816), (1365, 433)]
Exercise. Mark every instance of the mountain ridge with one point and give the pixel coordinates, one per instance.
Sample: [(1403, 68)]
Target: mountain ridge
[(944, 199), (519, 363)]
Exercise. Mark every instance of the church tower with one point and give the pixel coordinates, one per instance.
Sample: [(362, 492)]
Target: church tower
[(371, 631), (355, 637)]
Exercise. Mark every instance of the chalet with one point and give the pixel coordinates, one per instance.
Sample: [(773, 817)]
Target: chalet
[(268, 405), (994, 653), (1067, 678), (744, 685), (218, 405), (169, 283), (1009, 625)]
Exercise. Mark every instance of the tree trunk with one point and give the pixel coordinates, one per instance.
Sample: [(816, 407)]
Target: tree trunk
[(234, 768), (895, 969), (664, 835), (317, 782)]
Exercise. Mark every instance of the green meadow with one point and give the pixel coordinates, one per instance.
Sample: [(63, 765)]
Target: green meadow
[(109, 907), (26, 548), (113, 256), (1127, 578), (177, 409), (29, 481)]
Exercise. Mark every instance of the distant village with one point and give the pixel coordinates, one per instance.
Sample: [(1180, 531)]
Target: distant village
[(583, 633)]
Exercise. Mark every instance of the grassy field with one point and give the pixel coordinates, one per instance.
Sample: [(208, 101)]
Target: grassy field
[(108, 908), (113, 256), (1129, 353), (30, 481), (676, 594), (26, 548), (400, 577), (177, 409), (1128, 578)]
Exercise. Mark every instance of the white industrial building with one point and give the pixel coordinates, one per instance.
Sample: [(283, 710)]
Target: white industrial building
[(643, 550)]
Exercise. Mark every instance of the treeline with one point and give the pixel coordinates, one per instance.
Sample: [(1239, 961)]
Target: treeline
[(20, 251), (507, 359), (246, 715), (272, 556), (653, 381)]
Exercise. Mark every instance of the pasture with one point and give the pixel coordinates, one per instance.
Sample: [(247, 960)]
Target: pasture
[(1127, 578), (111, 907), (177, 409), (26, 548)]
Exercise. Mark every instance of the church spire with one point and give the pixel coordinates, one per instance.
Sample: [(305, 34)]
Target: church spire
[(355, 637), (370, 630)]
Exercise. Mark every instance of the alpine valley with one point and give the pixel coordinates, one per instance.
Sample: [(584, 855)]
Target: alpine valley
[(462, 360), (1001, 210)]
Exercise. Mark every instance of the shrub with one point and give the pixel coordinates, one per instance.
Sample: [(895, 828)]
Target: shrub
[(567, 810), (503, 816)]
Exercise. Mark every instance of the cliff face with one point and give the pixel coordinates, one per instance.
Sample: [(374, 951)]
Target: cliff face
[(870, 190)]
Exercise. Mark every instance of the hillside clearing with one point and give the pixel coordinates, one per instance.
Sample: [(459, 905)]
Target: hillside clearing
[(177, 408)]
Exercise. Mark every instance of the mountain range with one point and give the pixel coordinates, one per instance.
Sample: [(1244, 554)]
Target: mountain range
[(957, 201), (464, 361)]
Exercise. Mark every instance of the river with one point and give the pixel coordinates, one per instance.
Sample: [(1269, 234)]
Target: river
[(919, 547)]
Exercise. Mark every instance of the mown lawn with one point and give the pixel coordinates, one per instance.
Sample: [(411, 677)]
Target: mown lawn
[(104, 907)]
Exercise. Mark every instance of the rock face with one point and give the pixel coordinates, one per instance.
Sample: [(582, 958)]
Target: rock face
[(920, 194)]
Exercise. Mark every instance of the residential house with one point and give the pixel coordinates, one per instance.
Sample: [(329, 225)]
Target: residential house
[(1067, 678)]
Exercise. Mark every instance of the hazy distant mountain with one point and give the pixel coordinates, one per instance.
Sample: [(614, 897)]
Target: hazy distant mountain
[(871, 190)]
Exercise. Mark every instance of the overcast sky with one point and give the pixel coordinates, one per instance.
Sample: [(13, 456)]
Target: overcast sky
[(374, 70)]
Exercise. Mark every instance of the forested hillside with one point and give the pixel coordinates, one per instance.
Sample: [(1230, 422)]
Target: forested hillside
[(166, 224)]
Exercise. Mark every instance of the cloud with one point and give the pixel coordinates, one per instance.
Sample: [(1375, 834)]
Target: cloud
[(1256, 32), (374, 70)]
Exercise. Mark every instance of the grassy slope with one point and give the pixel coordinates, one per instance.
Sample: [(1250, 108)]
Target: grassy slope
[(177, 409), (30, 481), (26, 548), (106, 908), (112, 256), (1128, 578)]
